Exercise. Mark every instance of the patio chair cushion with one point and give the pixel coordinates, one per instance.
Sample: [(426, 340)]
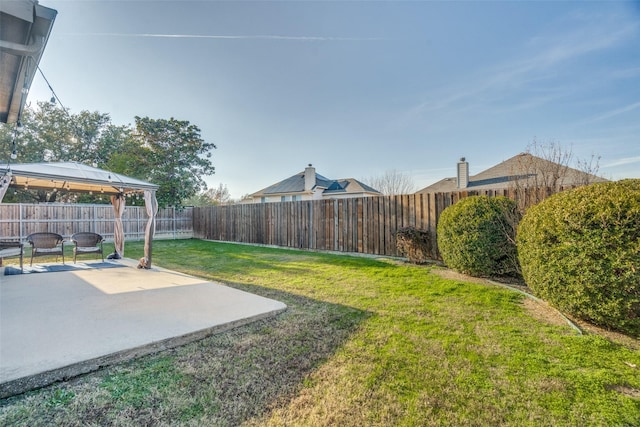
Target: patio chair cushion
[(51, 251), (87, 243), (10, 252), (88, 249), (46, 244)]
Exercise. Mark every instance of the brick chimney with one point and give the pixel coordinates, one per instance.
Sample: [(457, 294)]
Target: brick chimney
[(463, 173), (309, 177)]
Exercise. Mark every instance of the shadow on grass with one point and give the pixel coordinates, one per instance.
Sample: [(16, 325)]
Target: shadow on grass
[(253, 368), (225, 379)]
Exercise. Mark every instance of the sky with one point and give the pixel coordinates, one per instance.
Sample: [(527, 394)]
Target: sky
[(358, 88)]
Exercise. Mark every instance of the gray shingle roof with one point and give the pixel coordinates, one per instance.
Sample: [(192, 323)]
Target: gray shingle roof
[(503, 175), (295, 184), (350, 185)]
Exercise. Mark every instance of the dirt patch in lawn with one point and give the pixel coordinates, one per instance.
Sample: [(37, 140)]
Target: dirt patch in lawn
[(543, 311)]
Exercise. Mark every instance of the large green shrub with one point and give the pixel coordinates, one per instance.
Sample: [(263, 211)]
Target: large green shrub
[(477, 236), (580, 250)]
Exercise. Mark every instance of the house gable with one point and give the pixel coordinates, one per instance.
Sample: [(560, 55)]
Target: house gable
[(523, 169), (293, 184), (293, 188)]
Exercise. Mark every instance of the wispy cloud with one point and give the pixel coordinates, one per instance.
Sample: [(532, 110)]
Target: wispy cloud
[(617, 111), (623, 161), (226, 37), (542, 59), (558, 49)]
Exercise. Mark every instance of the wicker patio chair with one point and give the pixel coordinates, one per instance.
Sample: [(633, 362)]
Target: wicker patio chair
[(87, 243), (46, 244), (11, 250)]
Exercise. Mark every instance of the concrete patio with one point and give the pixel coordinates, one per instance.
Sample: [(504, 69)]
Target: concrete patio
[(57, 325)]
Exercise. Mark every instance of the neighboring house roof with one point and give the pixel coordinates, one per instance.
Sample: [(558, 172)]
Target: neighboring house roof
[(524, 168), (296, 184), (24, 30), (350, 185)]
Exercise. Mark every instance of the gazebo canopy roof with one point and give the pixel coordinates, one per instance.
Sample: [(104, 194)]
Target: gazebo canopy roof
[(73, 176)]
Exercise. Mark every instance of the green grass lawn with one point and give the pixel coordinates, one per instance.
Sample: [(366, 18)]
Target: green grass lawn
[(364, 342)]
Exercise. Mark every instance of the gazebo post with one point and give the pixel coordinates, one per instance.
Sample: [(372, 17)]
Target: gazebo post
[(118, 201), (151, 205)]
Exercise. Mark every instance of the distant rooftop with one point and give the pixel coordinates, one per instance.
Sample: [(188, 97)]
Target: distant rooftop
[(298, 184), (523, 167)]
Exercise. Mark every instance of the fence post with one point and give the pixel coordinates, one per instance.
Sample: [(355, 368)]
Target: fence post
[(21, 224), (335, 225), (174, 222)]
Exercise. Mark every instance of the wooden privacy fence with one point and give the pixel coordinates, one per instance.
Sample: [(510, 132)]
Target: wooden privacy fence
[(19, 220), (364, 225)]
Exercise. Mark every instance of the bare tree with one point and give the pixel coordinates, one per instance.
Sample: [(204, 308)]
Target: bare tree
[(392, 182), (590, 168), (544, 169)]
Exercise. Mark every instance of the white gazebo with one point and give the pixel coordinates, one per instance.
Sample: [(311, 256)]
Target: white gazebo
[(80, 178)]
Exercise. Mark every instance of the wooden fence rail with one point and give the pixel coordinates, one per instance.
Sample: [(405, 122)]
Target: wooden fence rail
[(363, 225), (21, 219)]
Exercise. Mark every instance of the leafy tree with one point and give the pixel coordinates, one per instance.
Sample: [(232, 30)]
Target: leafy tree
[(199, 200), (52, 134), (132, 159), (172, 154), (95, 138), (220, 195), (47, 136), (212, 197)]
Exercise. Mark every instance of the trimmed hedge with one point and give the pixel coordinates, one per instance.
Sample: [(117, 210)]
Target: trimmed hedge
[(580, 251), (476, 236)]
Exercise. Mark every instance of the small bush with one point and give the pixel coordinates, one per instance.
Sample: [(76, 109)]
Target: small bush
[(414, 244), (580, 251), (477, 236)]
